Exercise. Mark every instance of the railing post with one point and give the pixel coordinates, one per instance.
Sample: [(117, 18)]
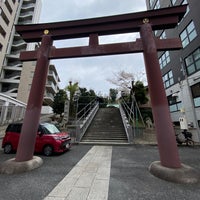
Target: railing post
[(78, 132)]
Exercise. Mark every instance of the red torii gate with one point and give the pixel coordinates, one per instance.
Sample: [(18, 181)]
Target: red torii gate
[(143, 22)]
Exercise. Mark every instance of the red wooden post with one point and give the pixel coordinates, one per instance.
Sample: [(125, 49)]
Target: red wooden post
[(165, 132), (26, 144)]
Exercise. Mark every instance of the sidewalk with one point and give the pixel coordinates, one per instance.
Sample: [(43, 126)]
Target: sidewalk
[(89, 179)]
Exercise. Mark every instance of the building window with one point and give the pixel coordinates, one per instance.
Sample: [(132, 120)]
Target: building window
[(174, 103), (164, 59), (188, 9), (188, 34), (173, 2), (192, 62), (196, 94), (151, 2), (163, 35), (2, 31), (168, 79), (157, 5), (4, 17), (8, 6)]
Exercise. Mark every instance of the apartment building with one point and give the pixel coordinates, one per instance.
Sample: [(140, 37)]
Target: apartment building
[(16, 77), (181, 69), (8, 10), (12, 66), (26, 82)]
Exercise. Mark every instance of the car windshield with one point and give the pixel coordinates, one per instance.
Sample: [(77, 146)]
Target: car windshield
[(50, 129)]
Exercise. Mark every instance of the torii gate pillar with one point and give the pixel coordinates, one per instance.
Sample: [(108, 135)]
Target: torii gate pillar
[(165, 132), (169, 167)]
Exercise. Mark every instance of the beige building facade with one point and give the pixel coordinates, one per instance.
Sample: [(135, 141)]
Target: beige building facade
[(8, 10), (26, 82)]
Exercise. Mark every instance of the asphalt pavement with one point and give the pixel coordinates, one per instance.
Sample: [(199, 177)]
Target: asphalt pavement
[(129, 176)]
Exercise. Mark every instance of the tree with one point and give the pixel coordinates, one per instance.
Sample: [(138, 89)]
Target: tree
[(122, 79), (86, 96), (140, 93), (103, 101), (59, 102), (127, 85), (113, 94), (72, 88)]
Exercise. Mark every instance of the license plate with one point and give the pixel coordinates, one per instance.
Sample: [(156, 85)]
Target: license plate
[(67, 146)]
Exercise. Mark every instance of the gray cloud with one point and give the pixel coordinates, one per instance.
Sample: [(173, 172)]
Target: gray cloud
[(93, 72)]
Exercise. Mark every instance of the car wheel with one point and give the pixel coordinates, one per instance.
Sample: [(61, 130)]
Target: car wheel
[(8, 148), (48, 150)]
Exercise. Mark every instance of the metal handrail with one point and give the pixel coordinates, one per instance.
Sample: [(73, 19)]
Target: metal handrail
[(128, 111), (85, 111), (83, 122), (12, 113), (129, 118), (127, 126)]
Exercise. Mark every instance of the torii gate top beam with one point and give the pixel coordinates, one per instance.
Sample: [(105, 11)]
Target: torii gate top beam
[(160, 19)]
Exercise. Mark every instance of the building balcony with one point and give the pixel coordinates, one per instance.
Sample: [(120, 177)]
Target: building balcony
[(13, 95), (17, 67), (10, 89), (25, 19), (13, 56), (25, 15), (48, 98), (51, 87), (19, 45), (15, 79), (52, 76)]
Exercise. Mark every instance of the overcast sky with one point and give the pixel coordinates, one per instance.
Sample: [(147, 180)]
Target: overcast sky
[(93, 72)]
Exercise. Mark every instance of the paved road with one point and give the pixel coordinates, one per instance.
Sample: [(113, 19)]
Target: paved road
[(129, 175)]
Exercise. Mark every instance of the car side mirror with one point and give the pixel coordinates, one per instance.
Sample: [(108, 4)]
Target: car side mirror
[(40, 133)]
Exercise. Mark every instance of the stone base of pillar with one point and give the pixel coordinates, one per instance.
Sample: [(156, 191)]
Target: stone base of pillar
[(185, 174), (12, 167)]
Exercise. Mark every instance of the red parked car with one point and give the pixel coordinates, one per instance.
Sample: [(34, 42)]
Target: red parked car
[(49, 139)]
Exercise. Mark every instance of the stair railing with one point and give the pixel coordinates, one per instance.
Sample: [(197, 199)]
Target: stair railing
[(130, 118), (83, 122), (125, 120)]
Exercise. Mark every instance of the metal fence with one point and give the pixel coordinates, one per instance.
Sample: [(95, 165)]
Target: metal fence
[(11, 113)]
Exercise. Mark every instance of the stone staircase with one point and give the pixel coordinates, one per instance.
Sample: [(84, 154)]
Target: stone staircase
[(106, 128)]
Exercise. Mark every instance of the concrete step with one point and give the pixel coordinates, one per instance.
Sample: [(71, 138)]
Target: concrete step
[(106, 133), (105, 142), (107, 127), (111, 138)]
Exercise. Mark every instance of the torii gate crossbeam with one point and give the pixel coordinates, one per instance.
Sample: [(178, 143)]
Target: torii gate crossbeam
[(143, 22), (164, 18)]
